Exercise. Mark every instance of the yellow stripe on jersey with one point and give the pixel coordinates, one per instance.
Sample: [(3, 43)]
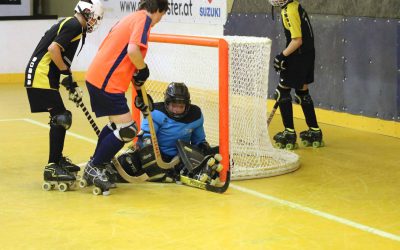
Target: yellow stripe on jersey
[(291, 19), (41, 79), (61, 24), (76, 38)]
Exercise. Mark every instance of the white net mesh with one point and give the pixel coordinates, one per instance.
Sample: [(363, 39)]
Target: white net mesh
[(252, 155)]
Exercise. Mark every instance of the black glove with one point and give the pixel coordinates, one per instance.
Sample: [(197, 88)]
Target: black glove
[(67, 81), (139, 103), (141, 75), (280, 62)]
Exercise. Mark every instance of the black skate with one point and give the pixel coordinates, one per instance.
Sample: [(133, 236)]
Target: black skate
[(71, 167), (94, 175), (286, 139), (110, 172), (56, 175), (210, 172), (312, 137)]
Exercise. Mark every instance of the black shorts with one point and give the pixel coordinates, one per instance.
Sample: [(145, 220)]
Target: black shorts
[(106, 104), (299, 71), (42, 100)]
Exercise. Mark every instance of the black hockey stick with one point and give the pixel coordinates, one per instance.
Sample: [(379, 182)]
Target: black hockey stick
[(76, 97), (162, 164), (271, 115)]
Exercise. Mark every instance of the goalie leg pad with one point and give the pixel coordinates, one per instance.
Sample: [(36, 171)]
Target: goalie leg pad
[(149, 164), (125, 132), (63, 119)]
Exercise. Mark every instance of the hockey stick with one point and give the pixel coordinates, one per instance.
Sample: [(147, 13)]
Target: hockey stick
[(76, 97), (271, 115), (206, 186), (157, 153)]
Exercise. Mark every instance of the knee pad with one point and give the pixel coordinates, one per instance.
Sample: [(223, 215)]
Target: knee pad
[(125, 132), (63, 119), (303, 97), (282, 95)]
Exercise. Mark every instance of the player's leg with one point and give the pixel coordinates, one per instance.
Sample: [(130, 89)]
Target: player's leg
[(287, 137), (46, 100), (312, 136)]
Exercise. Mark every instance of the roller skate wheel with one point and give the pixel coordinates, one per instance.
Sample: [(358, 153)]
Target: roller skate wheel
[(83, 183), (46, 186), (211, 161), (278, 145), (214, 182), (219, 167), (97, 191), (316, 144), (63, 187), (218, 157), (203, 177), (290, 146), (305, 143)]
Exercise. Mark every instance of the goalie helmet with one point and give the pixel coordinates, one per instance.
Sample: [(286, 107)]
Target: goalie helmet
[(92, 11), (177, 92), (278, 3)]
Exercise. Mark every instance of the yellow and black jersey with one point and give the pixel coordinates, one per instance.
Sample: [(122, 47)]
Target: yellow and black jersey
[(41, 71), (297, 24)]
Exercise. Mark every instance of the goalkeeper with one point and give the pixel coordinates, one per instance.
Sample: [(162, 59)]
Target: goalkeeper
[(175, 119)]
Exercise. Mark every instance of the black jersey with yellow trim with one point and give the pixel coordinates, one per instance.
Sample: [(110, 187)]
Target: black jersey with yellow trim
[(41, 71), (297, 24)]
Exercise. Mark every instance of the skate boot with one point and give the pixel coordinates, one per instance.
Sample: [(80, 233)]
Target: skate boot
[(71, 167), (111, 173), (312, 137), (56, 175), (210, 173), (94, 175), (286, 139)]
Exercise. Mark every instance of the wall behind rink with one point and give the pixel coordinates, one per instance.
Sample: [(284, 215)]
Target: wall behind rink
[(357, 62)]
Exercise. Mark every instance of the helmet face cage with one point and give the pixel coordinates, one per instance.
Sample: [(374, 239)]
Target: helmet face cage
[(278, 3), (93, 13), (177, 92)]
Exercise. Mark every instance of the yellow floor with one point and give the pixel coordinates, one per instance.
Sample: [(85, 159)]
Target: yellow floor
[(344, 196)]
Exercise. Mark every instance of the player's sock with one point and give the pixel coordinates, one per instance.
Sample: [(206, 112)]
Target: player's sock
[(307, 105), (104, 132), (285, 106), (57, 137), (106, 150)]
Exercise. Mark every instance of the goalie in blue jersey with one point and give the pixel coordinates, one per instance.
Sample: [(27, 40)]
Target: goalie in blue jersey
[(178, 126)]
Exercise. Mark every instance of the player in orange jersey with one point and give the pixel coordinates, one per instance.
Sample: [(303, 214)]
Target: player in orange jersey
[(119, 60)]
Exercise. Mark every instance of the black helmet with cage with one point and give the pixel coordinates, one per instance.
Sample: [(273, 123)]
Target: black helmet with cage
[(177, 92)]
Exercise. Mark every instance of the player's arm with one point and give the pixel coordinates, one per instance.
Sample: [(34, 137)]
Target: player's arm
[(294, 21), (55, 54)]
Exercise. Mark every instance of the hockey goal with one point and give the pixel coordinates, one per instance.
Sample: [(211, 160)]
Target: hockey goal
[(228, 79)]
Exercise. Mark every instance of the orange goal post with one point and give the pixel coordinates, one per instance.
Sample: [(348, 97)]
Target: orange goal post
[(227, 78)]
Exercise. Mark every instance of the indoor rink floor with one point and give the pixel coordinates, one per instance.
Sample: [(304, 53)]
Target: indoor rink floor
[(345, 196)]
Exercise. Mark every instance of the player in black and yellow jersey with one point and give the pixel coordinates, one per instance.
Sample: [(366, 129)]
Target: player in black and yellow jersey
[(47, 68), (296, 66)]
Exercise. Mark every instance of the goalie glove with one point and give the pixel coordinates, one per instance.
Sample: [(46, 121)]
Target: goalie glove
[(66, 80), (140, 76), (139, 103), (280, 63)]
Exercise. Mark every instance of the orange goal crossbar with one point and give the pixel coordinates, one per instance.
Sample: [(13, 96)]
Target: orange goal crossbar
[(223, 64)]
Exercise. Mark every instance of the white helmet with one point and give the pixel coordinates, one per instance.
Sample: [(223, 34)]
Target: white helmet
[(92, 11), (278, 3)]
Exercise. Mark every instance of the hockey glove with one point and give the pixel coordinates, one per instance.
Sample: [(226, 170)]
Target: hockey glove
[(139, 103), (141, 75), (280, 62), (66, 80)]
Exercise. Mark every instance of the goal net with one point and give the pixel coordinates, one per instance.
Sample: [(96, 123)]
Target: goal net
[(228, 79)]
